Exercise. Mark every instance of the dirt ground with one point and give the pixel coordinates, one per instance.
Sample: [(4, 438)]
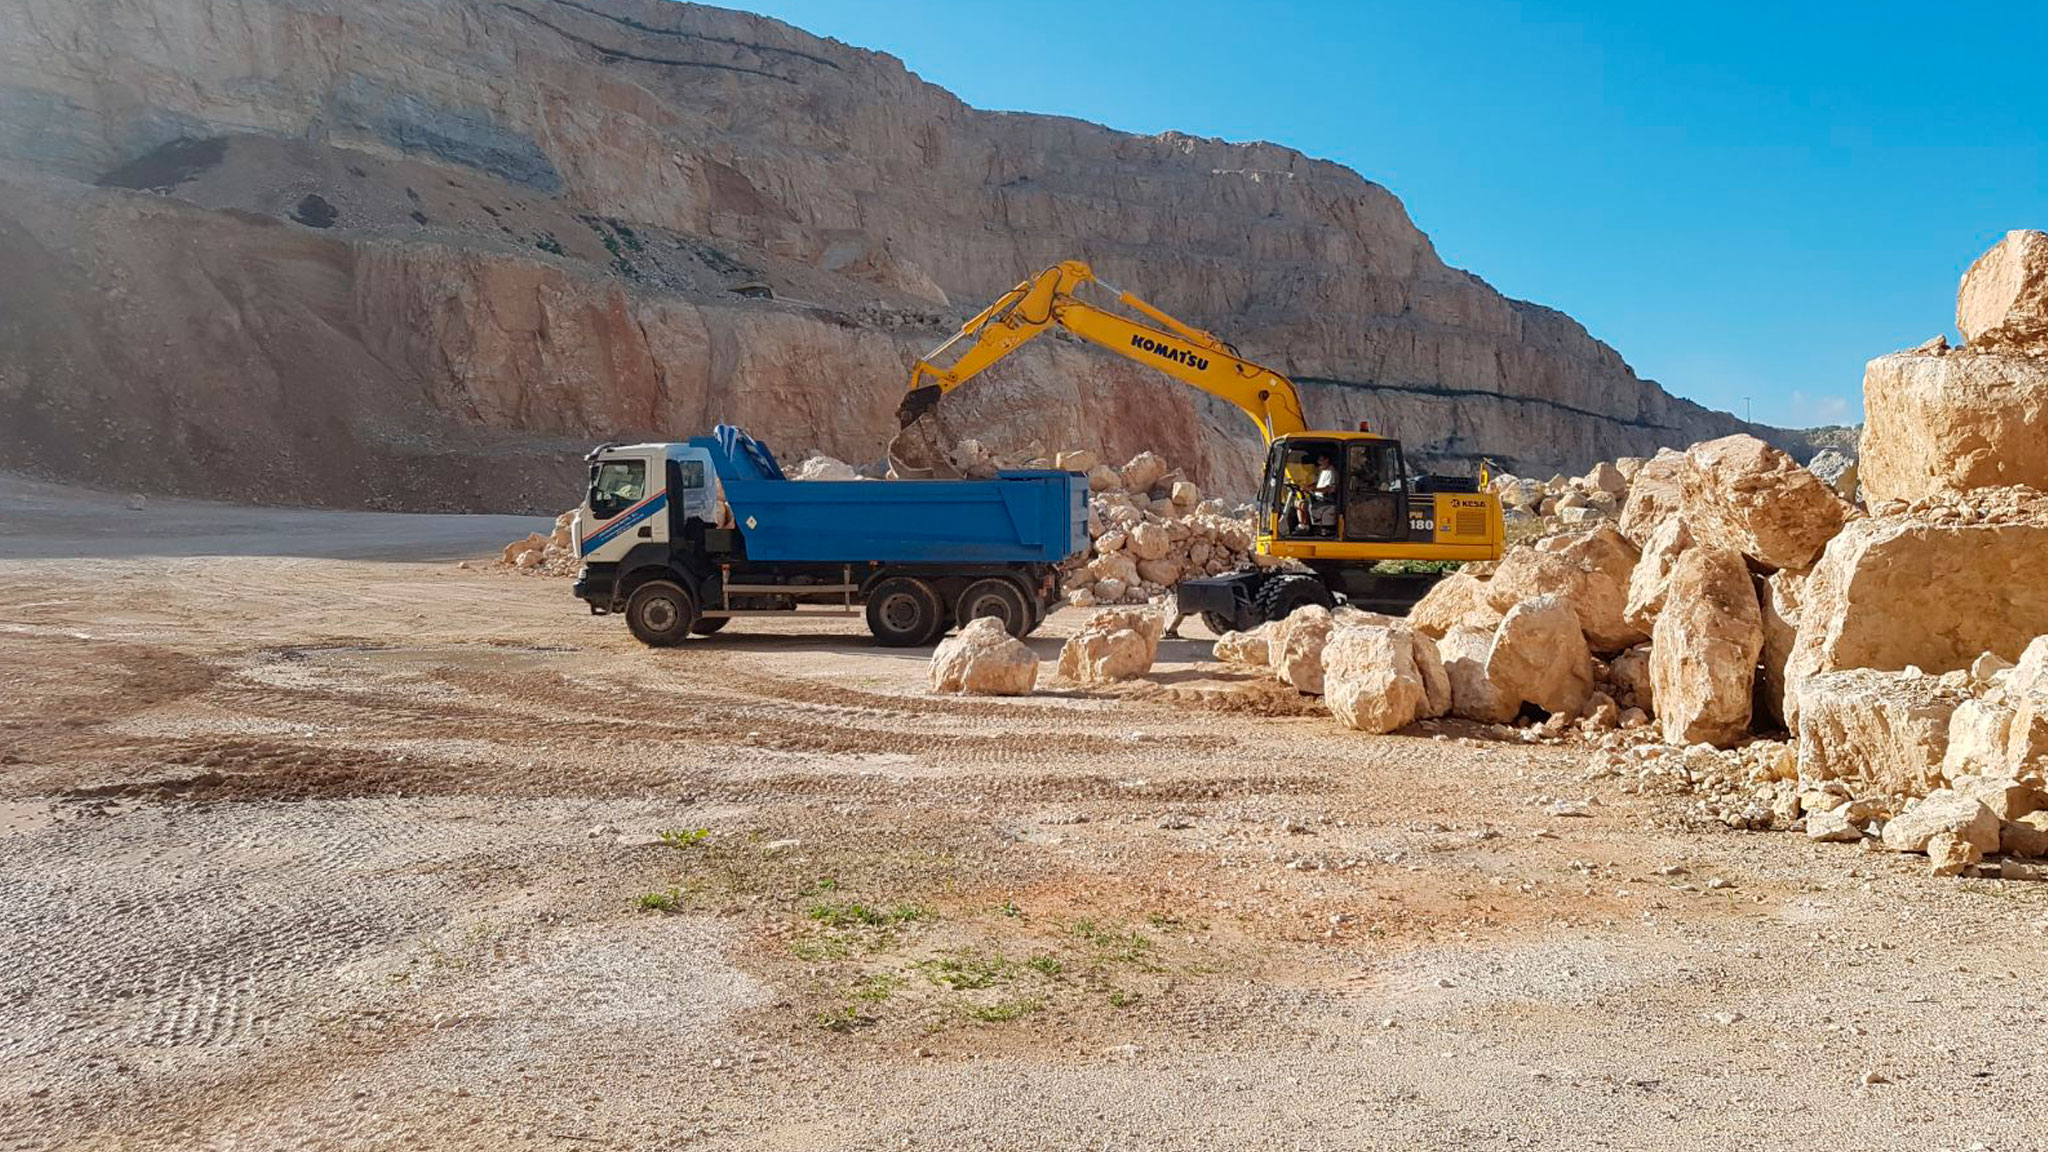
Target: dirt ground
[(310, 838)]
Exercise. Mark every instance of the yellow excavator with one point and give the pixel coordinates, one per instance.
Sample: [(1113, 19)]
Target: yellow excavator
[(1340, 502)]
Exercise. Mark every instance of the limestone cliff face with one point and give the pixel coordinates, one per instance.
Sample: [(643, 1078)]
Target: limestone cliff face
[(362, 245)]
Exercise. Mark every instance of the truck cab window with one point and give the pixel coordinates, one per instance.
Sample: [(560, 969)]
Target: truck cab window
[(692, 473), (616, 485)]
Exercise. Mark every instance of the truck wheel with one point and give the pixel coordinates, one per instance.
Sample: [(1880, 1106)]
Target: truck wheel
[(904, 612), (1283, 594), (995, 597), (661, 613), (710, 625)]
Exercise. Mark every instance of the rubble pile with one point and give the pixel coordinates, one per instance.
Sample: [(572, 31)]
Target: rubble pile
[(538, 555), (1683, 612), (1149, 529)]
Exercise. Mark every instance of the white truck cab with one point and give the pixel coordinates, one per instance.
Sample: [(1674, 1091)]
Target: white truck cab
[(636, 493)]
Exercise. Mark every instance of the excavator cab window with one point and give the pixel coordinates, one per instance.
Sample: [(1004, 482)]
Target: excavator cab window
[(1304, 488), (1375, 495)]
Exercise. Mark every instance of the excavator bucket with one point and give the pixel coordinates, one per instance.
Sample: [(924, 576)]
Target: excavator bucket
[(916, 403)]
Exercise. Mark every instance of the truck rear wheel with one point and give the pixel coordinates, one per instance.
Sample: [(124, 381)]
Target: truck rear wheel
[(904, 612), (999, 598), (661, 613)]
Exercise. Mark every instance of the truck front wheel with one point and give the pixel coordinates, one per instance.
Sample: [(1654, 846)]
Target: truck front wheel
[(904, 612), (661, 613), (999, 598)]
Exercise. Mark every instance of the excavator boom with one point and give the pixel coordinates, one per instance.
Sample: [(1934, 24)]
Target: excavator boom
[(1048, 300)]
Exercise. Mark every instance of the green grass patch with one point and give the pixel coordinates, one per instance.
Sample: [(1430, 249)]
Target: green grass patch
[(683, 837), (667, 901), (967, 972), (852, 914)]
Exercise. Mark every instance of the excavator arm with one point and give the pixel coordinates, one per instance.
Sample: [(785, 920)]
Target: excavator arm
[(1186, 353)]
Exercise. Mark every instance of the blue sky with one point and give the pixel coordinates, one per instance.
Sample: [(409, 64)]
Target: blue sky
[(1747, 200)]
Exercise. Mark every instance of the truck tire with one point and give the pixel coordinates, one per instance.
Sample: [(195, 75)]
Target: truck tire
[(706, 626), (904, 612), (1281, 595), (661, 613), (995, 597)]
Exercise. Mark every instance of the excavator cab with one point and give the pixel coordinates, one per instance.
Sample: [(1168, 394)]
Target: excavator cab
[(1336, 489)]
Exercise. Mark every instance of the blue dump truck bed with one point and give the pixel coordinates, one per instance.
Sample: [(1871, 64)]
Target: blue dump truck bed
[(1022, 517)]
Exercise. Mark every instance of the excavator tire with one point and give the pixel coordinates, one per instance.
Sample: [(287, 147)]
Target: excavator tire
[(1219, 623), (1281, 595)]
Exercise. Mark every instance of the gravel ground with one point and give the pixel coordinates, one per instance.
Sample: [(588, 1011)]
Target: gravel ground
[(310, 838)]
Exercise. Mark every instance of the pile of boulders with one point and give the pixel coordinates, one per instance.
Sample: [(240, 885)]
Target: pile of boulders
[(1697, 603), (538, 555), (1149, 529)]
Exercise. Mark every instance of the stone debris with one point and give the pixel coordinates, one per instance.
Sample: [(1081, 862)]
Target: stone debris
[(537, 555), (984, 660), (1743, 495), (1150, 529)]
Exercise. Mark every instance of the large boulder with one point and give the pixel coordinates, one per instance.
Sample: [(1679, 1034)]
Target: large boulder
[(1655, 494), (2026, 690), (1942, 811), (1887, 731), (1114, 644), (1979, 735), (1741, 494), (1652, 574), (1590, 569), (1296, 648), (1539, 656), (1251, 648), (984, 660), (2003, 299), (1458, 600), (1952, 420), (1377, 678), (1464, 652), (1704, 649), (1145, 470), (1933, 589)]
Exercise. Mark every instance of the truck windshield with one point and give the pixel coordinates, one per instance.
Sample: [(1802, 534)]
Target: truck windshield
[(616, 485)]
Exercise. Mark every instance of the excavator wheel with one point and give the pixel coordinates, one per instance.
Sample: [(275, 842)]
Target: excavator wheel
[(1219, 623), (1281, 595)]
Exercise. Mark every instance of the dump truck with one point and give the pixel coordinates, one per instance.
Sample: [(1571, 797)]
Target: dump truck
[(684, 538)]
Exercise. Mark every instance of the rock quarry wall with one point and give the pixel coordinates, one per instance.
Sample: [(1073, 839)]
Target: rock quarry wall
[(348, 253)]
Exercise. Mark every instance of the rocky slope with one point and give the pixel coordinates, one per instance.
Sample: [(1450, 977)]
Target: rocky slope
[(421, 254)]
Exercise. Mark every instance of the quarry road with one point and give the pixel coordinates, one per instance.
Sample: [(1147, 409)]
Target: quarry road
[(310, 838)]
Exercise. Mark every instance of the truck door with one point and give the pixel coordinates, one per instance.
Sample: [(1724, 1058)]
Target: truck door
[(623, 506), (1375, 493)]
